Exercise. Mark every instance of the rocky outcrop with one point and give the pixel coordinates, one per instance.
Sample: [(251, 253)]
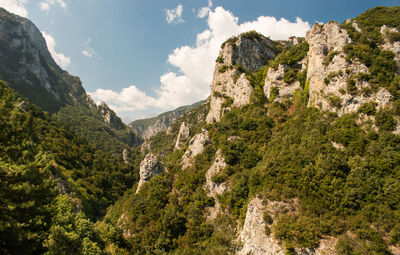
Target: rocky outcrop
[(253, 236), (196, 146), (229, 82), (329, 80), (391, 46), (125, 156), (213, 189), (274, 79), (255, 240), (149, 167), (109, 117), (183, 135)]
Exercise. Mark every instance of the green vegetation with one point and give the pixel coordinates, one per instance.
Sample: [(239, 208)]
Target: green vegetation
[(328, 59), (55, 184), (37, 154), (380, 63)]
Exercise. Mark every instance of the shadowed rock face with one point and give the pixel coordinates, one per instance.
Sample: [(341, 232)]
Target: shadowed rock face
[(26, 64), (149, 167), (228, 81)]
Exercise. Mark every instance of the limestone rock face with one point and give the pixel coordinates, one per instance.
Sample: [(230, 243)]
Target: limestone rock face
[(196, 146), (125, 156), (213, 188), (275, 79), (27, 65), (391, 46), (149, 167), (328, 82), (255, 241), (183, 135), (253, 236), (228, 81)]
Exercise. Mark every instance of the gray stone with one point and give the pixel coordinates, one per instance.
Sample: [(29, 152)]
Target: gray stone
[(183, 135), (149, 167), (196, 146)]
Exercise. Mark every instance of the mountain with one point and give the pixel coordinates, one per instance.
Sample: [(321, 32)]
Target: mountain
[(27, 65), (295, 152), (149, 127)]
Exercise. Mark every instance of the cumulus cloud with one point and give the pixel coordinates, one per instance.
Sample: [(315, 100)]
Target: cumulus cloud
[(128, 99), (59, 58), (47, 4), (15, 6), (175, 15), (196, 63)]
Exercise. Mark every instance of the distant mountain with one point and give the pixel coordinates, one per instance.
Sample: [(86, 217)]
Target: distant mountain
[(27, 65), (149, 127)]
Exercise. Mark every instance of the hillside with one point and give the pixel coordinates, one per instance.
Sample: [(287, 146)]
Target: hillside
[(297, 151), (26, 64), (54, 183), (149, 127)]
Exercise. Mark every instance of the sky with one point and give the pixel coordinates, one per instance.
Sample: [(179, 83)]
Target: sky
[(146, 57)]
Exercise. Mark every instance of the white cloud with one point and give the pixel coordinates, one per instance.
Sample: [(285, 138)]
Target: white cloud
[(15, 6), (88, 53), (196, 63), (203, 12), (59, 58), (47, 4), (175, 15), (128, 99)]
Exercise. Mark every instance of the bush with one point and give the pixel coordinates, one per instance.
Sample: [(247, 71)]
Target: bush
[(368, 108)]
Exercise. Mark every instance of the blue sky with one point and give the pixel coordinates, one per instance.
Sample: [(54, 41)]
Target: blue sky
[(142, 61)]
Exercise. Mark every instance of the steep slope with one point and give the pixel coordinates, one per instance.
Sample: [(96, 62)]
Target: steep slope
[(53, 183), (147, 128), (26, 64), (299, 152)]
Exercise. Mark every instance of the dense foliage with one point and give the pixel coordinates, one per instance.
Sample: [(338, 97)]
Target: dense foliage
[(39, 159)]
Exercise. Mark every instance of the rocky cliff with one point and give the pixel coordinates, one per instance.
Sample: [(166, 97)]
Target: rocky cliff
[(149, 167), (26, 64), (230, 86)]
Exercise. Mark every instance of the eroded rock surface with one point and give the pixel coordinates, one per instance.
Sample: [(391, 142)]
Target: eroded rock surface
[(229, 83), (196, 146), (149, 167), (213, 188), (274, 79), (183, 135), (253, 237), (329, 80)]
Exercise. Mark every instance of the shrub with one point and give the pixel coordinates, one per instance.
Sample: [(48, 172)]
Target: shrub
[(368, 108)]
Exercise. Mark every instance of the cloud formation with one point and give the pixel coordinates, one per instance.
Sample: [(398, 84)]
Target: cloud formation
[(203, 12), (175, 15), (47, 4), (15, 6), (196, 63), (59, 58), (89, 51)]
